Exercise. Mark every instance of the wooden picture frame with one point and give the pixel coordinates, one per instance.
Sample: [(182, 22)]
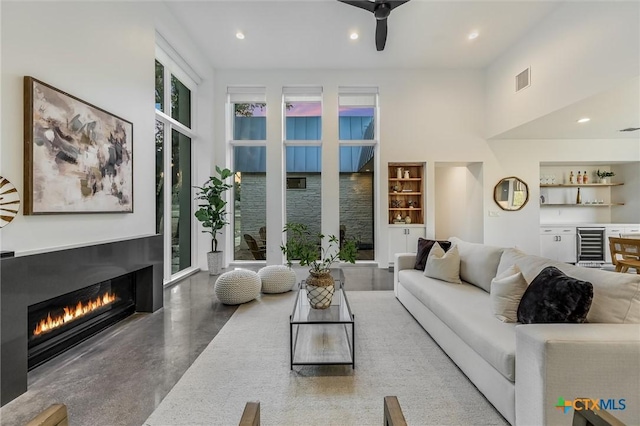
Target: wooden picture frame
[(78, 158)]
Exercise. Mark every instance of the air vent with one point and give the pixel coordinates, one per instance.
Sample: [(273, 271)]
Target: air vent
[(630, 129), (523, 79)]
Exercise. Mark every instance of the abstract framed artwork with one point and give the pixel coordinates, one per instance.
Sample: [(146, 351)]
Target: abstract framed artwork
[(77, 157)]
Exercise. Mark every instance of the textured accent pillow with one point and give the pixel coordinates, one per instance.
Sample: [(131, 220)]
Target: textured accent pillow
[(553, 297), (443, 266), (506, 291), (424, 247)]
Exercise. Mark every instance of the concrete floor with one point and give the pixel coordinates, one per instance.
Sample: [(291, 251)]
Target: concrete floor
[(119, 376)]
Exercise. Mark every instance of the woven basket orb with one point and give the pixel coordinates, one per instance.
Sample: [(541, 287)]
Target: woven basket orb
[(277, 278), (236, 287)]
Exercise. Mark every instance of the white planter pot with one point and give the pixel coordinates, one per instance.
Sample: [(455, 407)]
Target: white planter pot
[(604, 180), (214, 261)]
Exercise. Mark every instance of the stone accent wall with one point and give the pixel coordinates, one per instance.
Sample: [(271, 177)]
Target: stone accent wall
[(356, 206), (303, 205)]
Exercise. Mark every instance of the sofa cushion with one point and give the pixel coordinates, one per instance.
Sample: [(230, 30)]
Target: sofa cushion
[(424, 247), (506, 291), (554, 297), (616, 296), (466, 310), (478, 262), (443, 266)]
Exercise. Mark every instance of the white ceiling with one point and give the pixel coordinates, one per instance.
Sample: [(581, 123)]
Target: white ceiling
[(315, 33), (610, 111), (312, 34)]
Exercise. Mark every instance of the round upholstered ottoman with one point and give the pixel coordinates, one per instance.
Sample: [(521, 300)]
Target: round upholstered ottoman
[(238, 286), (277, 278)]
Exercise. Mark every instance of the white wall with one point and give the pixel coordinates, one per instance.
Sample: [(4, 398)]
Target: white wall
[(629, 192), (103, 53), (581, 49), (522, 158), (459, 202), (107, 60), (426, 116)]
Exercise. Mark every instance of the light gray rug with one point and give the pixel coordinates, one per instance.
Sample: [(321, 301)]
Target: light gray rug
[(249, 360)]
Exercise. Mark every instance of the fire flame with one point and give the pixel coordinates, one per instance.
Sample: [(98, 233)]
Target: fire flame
[(71, 313)]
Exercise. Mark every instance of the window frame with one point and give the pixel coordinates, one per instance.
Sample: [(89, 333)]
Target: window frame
[(173, 67)]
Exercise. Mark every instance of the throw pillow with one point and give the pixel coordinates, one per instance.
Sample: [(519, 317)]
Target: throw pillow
[(553, 297), (424, 247), (506, 291), (443, 266)]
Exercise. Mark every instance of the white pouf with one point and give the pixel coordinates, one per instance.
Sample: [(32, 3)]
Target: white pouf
[(238, 286), (277, 278)]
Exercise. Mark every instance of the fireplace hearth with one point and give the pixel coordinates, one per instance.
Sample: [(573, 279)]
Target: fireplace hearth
[(114, 278), (58, 324)]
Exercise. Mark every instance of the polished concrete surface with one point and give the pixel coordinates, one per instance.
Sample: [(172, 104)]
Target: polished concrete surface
[(119, 376)]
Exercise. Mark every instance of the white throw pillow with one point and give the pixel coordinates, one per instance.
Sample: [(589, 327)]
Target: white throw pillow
[(506, 291), (443, 266)]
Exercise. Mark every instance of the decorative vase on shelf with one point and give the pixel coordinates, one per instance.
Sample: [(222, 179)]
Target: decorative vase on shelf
[(407, 219), (320, 289), (406, 174), (399, 173)]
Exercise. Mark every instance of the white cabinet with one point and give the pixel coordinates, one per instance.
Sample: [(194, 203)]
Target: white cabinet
[(558, 243), (404, 239)]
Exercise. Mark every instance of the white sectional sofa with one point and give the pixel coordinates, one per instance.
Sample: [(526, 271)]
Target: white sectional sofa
[(523, 369)]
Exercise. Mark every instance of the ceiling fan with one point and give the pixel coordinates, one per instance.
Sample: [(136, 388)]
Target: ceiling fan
[(381, 10)]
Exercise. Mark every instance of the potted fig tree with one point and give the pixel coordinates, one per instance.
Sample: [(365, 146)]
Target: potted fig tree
[(212, 212), (306, 248)]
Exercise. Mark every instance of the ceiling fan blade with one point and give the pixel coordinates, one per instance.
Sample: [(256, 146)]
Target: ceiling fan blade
[(395, 3), (381, 34), (362, 4)]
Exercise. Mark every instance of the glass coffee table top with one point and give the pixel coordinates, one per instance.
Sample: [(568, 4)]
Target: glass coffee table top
[(322, 336)]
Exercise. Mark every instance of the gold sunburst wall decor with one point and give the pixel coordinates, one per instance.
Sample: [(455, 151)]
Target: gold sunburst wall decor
[(9, 202)]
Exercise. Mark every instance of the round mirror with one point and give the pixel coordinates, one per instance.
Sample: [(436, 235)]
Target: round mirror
[(511, 193)]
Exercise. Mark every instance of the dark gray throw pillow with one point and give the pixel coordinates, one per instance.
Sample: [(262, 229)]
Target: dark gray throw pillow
[(424, 247), (553, 297)]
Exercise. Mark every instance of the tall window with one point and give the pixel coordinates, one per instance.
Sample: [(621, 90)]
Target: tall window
[(174, 133), (302, 108), (248, 134), (358, 141)]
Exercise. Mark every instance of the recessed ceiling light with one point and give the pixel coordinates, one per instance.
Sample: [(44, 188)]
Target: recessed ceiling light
[(354, 36), (240, 35), (584, 120), (473, 35)]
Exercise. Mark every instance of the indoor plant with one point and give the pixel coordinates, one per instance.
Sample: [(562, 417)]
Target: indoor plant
[(212, 213), (603, 176), (305, 247)]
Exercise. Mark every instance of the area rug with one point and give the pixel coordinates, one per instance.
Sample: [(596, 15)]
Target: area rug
[(249, 361)]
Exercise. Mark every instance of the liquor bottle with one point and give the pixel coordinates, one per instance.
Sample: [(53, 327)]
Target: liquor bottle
[(585, 178), (579, 178), (579, 198), (571, 177)]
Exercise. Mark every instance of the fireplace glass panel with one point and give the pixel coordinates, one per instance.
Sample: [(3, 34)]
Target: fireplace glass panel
[(57, 324)]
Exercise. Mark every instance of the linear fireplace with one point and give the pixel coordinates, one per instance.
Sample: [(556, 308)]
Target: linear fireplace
[(58, 324), (96, 284)]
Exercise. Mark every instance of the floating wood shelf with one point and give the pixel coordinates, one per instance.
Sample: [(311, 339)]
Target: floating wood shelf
[(582, 205), (575, 185), (405, 193), (405, 208)]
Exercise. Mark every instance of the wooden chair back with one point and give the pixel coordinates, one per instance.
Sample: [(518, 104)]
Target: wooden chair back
[(393, 415), (625, 253), (251, 414), (258, 253), (55, 415), (263, 235)]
